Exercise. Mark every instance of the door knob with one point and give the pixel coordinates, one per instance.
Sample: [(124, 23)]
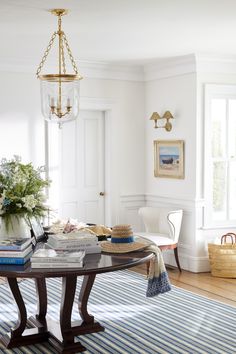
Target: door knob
[(102, 194)]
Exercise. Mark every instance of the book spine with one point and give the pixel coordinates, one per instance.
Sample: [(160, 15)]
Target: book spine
[(79, 241), (12, 260), (10, 248), (91, 250), (72, 246), (57, 265), (14, 254), (55, 260)]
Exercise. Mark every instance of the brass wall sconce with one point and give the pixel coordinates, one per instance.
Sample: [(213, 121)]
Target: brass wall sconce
[(167, 115)]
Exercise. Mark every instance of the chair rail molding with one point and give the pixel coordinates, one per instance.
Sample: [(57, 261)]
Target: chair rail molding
[(129, 206)]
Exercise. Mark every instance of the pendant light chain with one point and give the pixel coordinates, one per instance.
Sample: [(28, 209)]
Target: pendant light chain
[(63, 58), (62, 37), (46, 54), (70, 55)]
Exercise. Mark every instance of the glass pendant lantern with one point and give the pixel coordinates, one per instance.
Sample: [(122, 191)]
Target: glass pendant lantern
[(60, 91)]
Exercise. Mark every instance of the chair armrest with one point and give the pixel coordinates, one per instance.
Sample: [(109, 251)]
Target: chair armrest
[(175, 220)]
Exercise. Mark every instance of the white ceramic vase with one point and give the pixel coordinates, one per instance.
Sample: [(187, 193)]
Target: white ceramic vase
[(17, 228)]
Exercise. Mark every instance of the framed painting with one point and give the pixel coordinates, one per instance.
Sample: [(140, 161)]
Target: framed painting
[(169, 158)]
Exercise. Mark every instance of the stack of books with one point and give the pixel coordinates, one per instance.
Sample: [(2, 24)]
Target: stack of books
[(76, 241), (15, 251), (49, 258)]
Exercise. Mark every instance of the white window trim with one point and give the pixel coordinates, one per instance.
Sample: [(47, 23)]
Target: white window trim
[(213, 91)]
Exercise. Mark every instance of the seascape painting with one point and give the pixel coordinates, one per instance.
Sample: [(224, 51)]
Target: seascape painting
[(168, 158)]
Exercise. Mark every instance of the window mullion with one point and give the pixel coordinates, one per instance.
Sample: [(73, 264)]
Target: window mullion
[(227, 160)]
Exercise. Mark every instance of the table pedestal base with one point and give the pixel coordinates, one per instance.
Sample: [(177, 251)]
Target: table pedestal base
[(29, 336), (60, 335)]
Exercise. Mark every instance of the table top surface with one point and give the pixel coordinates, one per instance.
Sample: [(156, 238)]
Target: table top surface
[(92, 264)]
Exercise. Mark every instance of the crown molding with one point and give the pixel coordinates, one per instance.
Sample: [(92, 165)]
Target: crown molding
[(169, 67), (105, 70), (216, 64), (88, 69), (156, 70)]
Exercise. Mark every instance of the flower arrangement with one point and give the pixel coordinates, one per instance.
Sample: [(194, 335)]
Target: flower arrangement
[(21, 189)]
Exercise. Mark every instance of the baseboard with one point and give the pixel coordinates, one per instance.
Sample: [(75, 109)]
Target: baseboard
[(190, 263)]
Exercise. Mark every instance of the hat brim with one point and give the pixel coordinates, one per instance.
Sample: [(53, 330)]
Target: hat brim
[(108, 246)]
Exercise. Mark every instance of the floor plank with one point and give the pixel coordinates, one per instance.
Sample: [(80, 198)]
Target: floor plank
[(220, 289)]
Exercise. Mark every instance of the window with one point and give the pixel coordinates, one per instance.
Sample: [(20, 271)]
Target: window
[(220, 155)]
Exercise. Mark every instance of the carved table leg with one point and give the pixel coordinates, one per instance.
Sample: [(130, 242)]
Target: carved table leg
[(87, 325), (40, 318), (63, 338), (83, 298), (19, 335), (40, 285), (22, 314)]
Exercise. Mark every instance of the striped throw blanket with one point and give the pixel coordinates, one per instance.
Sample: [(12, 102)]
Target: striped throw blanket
[(158, 280)]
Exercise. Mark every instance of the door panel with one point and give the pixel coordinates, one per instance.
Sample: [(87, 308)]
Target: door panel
[(79, 172)]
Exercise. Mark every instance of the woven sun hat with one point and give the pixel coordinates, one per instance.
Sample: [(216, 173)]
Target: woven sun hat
[(122, 241)]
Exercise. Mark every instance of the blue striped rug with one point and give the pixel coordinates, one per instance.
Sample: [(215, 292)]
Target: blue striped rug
[(172, 323)]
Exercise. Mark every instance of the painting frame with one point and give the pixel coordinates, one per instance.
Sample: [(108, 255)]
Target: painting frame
[(37, 231), (169, 158)]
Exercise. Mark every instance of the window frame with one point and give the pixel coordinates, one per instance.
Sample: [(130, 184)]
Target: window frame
[(215, 91)]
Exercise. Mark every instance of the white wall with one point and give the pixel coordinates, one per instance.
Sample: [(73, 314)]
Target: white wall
[(22, 127), (176, 93)]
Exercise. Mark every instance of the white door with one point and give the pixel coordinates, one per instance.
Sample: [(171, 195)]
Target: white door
[(76, 168)]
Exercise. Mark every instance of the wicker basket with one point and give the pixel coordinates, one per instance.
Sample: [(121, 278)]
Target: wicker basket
[(223, 257)]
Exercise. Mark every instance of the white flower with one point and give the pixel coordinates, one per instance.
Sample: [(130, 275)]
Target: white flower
[(29, 202), (2, 199)]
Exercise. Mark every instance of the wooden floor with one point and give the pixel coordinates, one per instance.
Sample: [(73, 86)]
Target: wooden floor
[(220, 289)]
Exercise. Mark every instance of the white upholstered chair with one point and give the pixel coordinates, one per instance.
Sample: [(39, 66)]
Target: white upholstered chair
[(162, 227)]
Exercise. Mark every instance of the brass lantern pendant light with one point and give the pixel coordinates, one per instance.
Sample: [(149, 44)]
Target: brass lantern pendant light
[(59, 92)]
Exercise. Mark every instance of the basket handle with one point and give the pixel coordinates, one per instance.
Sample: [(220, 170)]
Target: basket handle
[(231, 235)]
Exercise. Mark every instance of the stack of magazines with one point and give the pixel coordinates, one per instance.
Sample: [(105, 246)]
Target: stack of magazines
[(49, 258), (15, 251), (76, 241)]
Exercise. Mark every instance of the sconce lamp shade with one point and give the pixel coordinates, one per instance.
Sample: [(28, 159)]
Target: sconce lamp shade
[(167, 115), (155, 116)]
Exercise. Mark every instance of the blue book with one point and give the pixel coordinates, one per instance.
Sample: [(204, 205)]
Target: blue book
[(15, 260), (15, 244)]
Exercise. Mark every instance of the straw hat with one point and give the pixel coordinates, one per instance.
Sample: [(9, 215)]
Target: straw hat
[(122, 241)]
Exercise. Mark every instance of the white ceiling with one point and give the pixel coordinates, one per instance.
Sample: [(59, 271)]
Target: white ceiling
[(120, 30)]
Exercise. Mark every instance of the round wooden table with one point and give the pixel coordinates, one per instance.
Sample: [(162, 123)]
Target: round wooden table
[(61, 335)]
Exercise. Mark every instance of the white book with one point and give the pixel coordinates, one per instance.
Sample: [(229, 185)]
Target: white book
[(87, 250), (16, 254), (73, 236), (95, 249), (72, 239), (72, 245), (49, 255), (57, 265)]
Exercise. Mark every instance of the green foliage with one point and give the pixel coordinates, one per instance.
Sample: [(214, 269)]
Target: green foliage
[(21, 189)]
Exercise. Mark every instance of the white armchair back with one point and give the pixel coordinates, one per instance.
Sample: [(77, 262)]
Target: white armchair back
[(162, 221)]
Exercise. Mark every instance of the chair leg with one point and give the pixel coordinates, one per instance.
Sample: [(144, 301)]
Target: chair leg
[(177, 258), (147, 267)]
